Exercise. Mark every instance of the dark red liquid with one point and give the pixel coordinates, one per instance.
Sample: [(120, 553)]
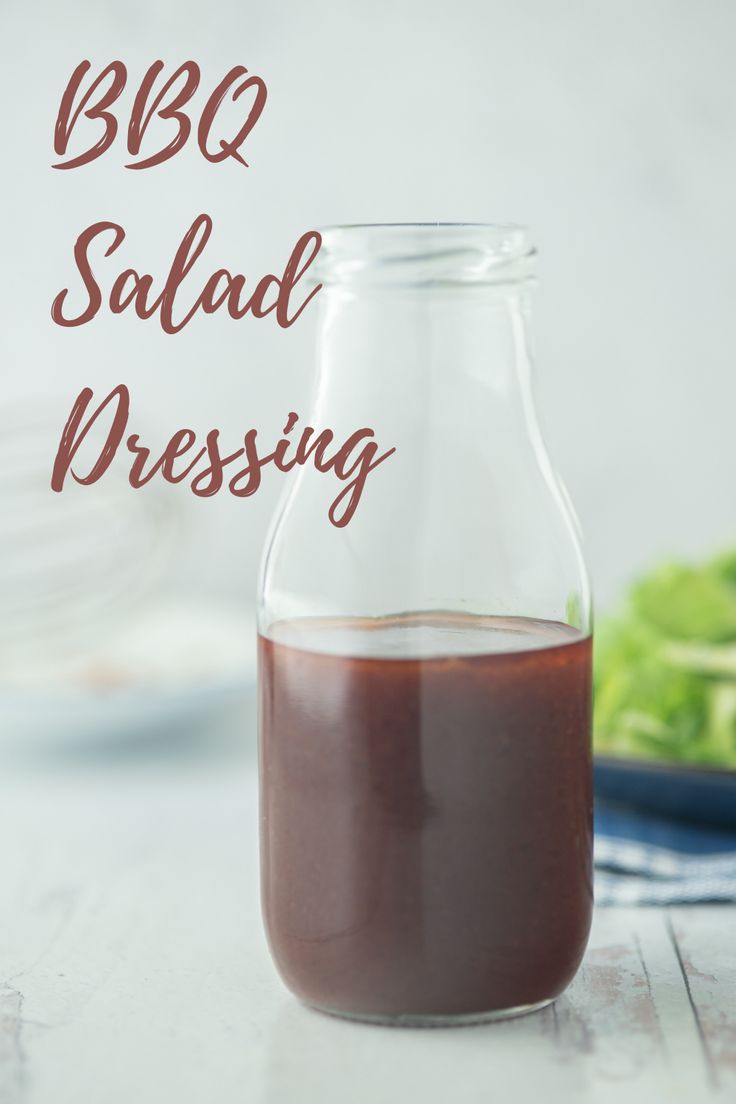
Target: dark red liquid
[(426, 811)]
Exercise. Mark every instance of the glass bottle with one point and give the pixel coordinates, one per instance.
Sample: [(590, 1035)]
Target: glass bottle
[(426, 805)]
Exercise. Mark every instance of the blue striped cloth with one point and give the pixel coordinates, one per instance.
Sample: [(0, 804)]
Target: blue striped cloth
[(646, 860)]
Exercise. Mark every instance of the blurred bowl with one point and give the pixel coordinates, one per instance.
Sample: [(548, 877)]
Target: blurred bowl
[(171, 674), (703, 795), (130, 721)]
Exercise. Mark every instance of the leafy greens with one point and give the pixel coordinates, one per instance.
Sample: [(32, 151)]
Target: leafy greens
[(665, 668)]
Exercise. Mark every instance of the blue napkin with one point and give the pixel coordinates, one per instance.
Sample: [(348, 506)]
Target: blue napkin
[(642, 859)]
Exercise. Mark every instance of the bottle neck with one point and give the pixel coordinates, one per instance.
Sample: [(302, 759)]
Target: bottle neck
[(428, 366)]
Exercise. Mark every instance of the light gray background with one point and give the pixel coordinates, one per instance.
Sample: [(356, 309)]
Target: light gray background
[(608, 127)]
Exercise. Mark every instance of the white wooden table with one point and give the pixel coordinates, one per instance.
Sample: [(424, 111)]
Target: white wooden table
[(133, 970)]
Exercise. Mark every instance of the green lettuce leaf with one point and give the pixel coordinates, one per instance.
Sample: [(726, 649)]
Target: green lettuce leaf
[(687, 603), (665, 667)]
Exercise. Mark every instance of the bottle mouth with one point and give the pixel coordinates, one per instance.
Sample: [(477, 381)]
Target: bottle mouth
[(425, 253)]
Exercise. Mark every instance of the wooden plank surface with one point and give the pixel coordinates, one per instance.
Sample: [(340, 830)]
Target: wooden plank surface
[(133, 968)]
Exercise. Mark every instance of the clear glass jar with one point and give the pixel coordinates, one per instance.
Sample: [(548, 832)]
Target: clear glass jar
[(426, 805)]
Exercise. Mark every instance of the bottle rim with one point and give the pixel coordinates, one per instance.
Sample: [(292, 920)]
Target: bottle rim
[(424, 253)]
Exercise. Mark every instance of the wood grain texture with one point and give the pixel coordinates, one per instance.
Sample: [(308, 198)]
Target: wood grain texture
[(133, 968), (704, 941)]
